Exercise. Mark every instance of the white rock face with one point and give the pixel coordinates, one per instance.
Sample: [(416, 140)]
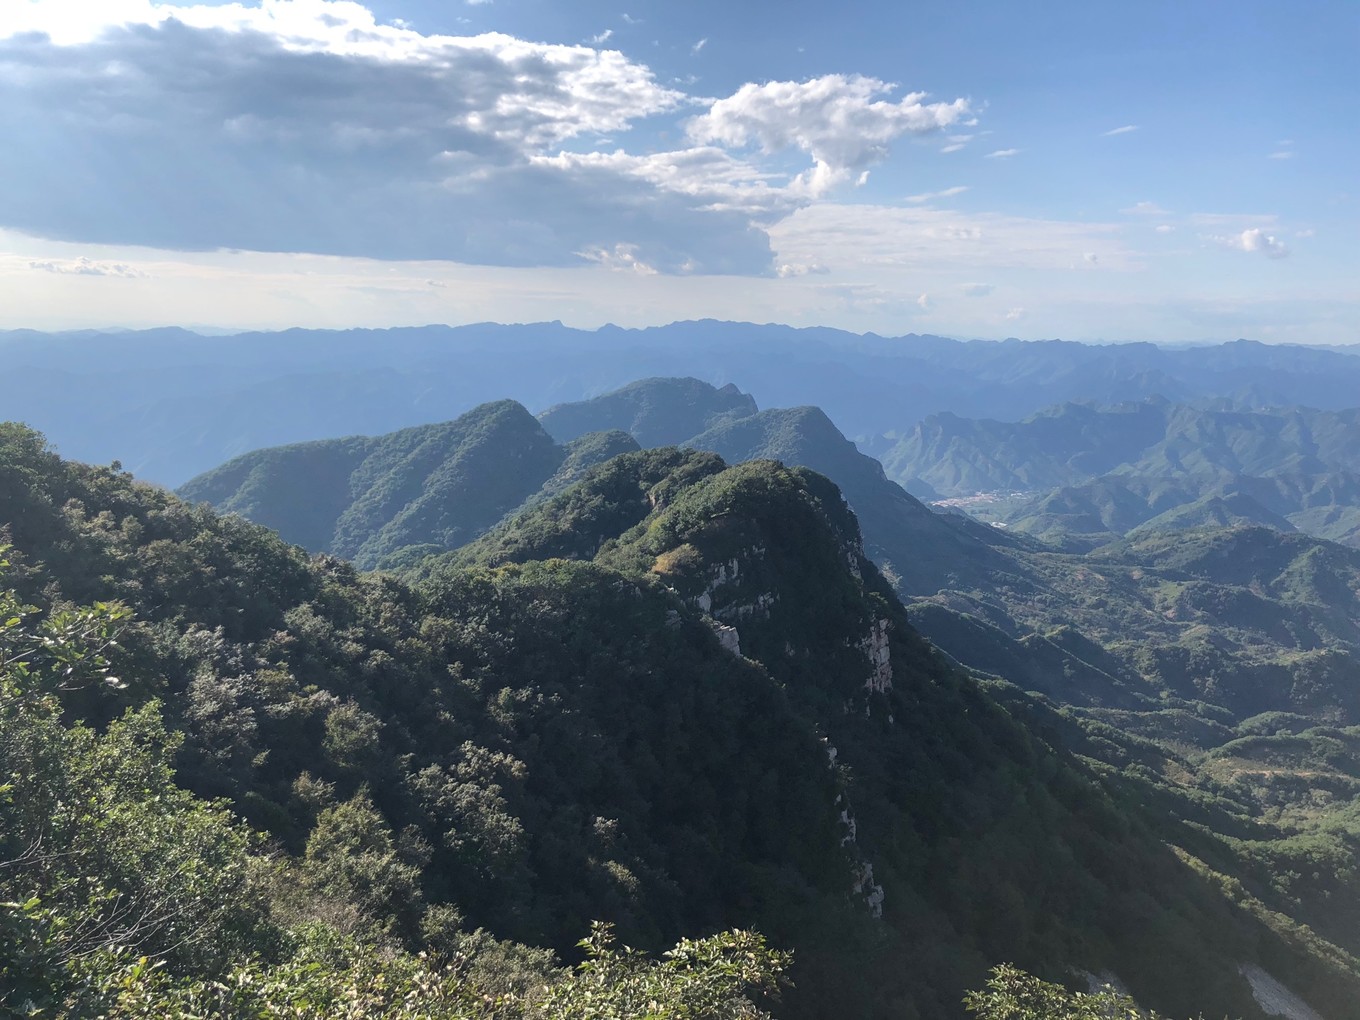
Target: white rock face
[(727, 573), (875, 647), (870, 890), (727, 636), (1274, 998)]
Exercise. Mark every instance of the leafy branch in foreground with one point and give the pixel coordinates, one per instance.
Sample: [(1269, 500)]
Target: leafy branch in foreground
[(704, 979), (1012, 994)]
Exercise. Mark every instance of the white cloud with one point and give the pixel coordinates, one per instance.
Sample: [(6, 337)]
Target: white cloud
[(83, 266), (839, 120), (977, 289), (1282, 154), (309, 126), (1015, 314), (1255, 240), (1144, 209), (699, 45), (789, 269), (1091, 258), (621, 257), (1164, 228), (930, 196), (1003, 153), (714, 177), (1126, 129), (924, 302), (629, 19)]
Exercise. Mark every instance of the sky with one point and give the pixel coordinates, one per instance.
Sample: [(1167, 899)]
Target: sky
[(1167, 171)]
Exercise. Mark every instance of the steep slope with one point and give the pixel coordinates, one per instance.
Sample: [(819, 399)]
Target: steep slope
[(733, 545), (370, 498)]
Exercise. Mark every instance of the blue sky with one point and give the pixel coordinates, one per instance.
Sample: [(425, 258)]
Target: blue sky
[(1164, 171)]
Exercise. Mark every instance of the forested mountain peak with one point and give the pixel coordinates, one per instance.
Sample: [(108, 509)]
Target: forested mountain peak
[(369, 498)]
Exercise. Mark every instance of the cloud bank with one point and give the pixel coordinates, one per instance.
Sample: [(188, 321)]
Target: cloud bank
[(306, 125)]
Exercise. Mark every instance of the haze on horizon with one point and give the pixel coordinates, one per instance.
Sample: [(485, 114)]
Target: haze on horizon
[(1169, 172)]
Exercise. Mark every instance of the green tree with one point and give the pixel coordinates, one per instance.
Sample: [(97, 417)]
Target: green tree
[(1011, 994)]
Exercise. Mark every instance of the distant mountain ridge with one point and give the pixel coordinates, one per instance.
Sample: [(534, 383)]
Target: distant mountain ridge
[(1093, 473), (170, 404)]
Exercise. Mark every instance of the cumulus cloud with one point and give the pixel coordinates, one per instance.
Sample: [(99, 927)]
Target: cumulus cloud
[(308, 126), (1255, 240), (841, 121)]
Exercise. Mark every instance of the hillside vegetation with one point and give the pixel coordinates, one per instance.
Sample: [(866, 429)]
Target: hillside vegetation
[(497, 755)]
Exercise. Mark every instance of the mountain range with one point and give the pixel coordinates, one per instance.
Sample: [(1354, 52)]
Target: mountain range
[(706, 708), (1133, 749), (170, 404), (1085, 474)]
